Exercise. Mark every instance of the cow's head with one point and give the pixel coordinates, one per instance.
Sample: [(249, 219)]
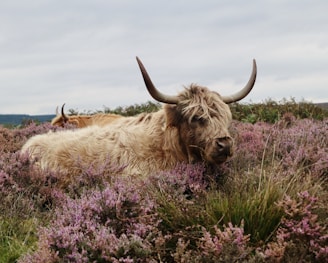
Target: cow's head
[(61, 118), (201, 117)]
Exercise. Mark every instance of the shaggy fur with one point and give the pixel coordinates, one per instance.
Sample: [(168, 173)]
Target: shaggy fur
[(81, 121), (187, 132)]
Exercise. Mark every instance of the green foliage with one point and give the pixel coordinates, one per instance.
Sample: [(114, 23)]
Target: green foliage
[(131, 110), (17, 237), (271, 111), (134, 109), (247, 200), (257, 207)]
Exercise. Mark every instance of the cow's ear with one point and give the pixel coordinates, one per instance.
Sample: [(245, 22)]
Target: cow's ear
[(74, 122), (172, 115)]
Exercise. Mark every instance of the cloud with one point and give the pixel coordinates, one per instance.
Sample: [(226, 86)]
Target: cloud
[(83, 52)]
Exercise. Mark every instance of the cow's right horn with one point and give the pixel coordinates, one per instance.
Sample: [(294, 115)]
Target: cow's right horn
[(155, 93)]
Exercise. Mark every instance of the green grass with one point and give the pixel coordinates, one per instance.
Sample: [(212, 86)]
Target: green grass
[(249, 198), (243, 201), (257, 208), (17, 237)]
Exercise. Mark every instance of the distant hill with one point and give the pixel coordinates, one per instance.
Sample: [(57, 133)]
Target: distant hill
[(16, 119), (323, 105)]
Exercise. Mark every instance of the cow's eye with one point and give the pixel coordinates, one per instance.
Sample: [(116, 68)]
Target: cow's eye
[(199, 120), (195, 119), (202, 121)]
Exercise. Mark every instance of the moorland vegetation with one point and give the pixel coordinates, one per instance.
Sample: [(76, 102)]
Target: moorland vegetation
[(269, 203)]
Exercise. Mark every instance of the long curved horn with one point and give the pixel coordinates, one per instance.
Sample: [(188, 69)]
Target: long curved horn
[(63, 114), (156, 94), (243, 93)]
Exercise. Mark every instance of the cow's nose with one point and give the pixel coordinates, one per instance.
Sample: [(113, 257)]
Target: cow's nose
[(224, 146)]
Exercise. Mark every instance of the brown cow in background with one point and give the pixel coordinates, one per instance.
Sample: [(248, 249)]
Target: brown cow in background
[(81, 121)]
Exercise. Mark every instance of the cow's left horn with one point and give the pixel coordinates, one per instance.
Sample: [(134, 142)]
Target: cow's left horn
[(63, 114), (156, 94), (243, 93)]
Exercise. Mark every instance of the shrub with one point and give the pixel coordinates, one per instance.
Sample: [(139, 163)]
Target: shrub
[(266, 204), (272, 111), (135, 109), (115, 224), (301, 236)]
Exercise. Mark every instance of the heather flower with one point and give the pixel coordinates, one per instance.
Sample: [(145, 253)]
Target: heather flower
[(96, 175), (115, 224), (182, 252), (230, 243), (227, 245), (287, 120), (12, 140), (100, 216), (300, 231), (303, 145), (250, 142), (184, 179), (18, 178)]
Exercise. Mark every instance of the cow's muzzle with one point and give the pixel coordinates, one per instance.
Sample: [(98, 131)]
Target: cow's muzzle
[(224, 146), (221, 150)]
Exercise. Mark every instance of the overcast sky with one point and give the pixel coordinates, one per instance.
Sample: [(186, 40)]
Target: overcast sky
[(82, 52)]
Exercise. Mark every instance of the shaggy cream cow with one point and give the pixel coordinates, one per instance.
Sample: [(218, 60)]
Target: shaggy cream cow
[(82, 121), (191, 127)]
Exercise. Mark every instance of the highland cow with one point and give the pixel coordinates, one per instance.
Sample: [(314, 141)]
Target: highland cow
[(191, 127)]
